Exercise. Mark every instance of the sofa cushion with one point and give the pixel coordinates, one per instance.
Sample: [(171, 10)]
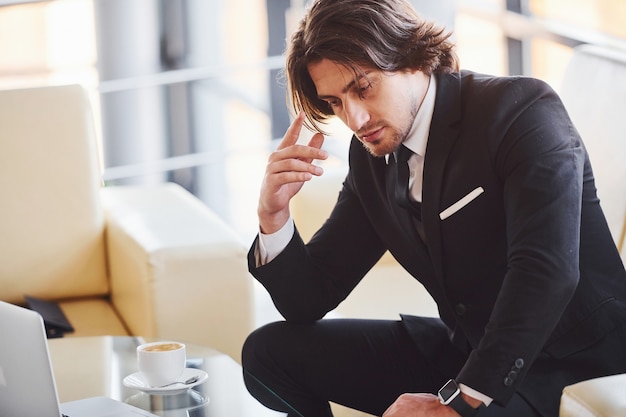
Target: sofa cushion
[(93, 317)]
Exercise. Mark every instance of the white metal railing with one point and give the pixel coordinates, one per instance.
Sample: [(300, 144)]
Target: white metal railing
[(519, 26), (186, 75)]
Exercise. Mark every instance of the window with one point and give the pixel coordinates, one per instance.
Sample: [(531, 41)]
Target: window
[(608, 16), (187, 91)]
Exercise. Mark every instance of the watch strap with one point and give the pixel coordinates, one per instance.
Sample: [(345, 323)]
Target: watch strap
[(459, 405)]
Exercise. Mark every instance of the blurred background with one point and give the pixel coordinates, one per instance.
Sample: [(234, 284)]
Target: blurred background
[(190, 91)]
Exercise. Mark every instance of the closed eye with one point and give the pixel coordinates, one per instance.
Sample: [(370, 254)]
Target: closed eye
[(363, 90), (333, 102)]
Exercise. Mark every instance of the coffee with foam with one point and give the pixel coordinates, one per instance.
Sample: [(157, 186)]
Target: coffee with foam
[(162, 347)]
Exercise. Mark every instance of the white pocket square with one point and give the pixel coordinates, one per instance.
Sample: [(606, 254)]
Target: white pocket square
[(461, 203)]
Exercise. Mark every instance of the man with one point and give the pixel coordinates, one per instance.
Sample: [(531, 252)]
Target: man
[(501, 224)]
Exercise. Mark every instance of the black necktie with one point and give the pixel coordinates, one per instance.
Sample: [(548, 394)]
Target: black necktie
[(402, 184)]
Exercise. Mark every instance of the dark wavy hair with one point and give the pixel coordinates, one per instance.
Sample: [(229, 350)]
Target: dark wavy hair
[(361, 34)]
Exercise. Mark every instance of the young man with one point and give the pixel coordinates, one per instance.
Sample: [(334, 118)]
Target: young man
[(500, 223)]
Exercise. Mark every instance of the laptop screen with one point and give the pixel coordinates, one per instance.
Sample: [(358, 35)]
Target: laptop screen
[(27, 385)]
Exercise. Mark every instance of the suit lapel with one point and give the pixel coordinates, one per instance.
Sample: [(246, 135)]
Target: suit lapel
[(441, 139)]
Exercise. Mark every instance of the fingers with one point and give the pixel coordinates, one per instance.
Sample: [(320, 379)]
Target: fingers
[(288, 168), (316, 142), (290, 149), (293, 132), (293, 170)]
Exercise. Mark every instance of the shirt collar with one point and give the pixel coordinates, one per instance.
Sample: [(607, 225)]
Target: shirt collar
[(417, 138), (418, 135)]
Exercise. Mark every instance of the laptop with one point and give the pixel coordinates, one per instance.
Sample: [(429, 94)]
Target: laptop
[(27, 387)]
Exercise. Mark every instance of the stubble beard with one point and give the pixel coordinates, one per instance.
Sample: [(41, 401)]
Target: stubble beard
[(385, 146)]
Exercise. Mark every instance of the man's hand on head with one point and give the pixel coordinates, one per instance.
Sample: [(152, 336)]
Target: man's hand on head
[(288, 167)]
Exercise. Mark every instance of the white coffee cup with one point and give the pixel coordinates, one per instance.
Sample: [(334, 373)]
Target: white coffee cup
[(161, 363)]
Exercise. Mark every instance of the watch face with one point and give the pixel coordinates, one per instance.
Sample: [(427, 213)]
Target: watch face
[(448, 392)]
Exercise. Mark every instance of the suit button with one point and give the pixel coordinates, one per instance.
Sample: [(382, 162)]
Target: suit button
[(519, 363), (460, 309), (512, 375), (508, 381)]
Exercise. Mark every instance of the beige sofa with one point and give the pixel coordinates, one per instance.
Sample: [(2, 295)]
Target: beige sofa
[(594, 92), (151, 261)]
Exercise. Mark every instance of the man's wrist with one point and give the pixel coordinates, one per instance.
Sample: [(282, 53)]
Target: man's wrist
[(473, 402), (450, 395), (269, 224), (271, 245), (472, 393)]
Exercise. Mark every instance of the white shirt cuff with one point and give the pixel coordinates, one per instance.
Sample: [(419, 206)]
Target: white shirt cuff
[(271, 245), (475, 394)]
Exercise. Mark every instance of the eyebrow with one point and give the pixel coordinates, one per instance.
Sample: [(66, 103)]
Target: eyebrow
[(347, 88)]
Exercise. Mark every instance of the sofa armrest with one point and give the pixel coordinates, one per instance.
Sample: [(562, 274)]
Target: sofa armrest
[(177, 271), (599, 397)]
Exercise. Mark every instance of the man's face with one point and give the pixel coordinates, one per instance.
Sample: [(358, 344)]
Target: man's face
[(378, 107)]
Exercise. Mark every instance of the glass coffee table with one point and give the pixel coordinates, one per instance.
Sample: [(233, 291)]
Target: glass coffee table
[(96, 366)]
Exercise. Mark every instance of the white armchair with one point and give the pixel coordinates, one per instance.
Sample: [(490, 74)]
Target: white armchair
[(594, 93), (150, 261)]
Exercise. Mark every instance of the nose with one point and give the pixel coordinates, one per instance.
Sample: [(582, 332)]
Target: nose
[(356, 114)]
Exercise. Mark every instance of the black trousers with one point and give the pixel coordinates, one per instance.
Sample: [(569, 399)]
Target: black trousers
[(361, 364)]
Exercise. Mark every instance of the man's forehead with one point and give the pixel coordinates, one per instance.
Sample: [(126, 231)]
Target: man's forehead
[(331, 74)]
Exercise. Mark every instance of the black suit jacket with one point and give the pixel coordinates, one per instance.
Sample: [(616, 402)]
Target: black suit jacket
[(525, 273)]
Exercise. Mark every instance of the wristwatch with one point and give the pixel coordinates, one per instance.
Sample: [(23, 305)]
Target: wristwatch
[(450, 395)]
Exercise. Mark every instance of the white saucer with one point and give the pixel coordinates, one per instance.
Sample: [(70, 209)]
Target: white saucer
[(136, 381)]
